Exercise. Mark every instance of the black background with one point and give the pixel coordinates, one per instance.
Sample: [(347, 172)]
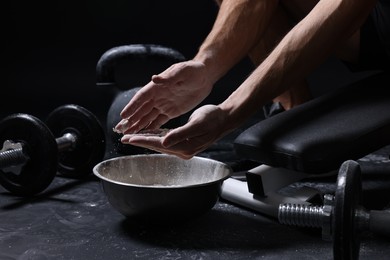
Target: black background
[(52, 47)]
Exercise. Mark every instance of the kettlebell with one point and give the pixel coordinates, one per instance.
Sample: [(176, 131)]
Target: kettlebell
[(121, 72)]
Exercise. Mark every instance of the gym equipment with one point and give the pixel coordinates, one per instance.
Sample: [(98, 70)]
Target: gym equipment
[(318, 136), (312, 141), (32, 155), (341, 217), (133, 65), (122, 71)]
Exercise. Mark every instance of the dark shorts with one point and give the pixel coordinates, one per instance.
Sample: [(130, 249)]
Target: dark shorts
[(375, 39)]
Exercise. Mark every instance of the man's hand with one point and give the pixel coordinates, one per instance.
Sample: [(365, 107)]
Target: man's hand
[(203, 129), (172, 93)]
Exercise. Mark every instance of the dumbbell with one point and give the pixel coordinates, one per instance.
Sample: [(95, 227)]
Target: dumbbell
[(70, 142), (122, 71), (341, 218)]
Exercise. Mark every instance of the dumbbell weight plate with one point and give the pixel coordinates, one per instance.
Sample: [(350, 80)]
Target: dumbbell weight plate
[(346, 240), (90, 146), (39, 143)]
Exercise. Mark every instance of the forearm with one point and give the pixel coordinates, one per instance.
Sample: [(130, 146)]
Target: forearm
[(238, 27), (308, 44)]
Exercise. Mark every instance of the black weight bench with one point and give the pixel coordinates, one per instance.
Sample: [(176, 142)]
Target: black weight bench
[(312, 139), (319, 136)]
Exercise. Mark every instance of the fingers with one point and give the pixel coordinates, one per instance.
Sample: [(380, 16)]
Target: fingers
[(179, 143), (158, 122), (148, 108), (144, 95), (139, 112), (153, 120), (143, 123), (184, 142), (140, 118), (181, 134), (182, 150)]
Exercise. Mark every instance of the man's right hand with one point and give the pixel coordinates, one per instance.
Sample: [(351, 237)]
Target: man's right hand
[(172, 93)]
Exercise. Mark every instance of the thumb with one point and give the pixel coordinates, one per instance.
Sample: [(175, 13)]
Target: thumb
[(171, 74)]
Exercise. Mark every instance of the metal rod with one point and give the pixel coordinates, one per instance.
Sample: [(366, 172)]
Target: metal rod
[(309, 216), (67, 142), (12, 157), (17, 156)]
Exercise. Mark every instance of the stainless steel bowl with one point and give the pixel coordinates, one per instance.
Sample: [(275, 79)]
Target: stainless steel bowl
[(159, 187)]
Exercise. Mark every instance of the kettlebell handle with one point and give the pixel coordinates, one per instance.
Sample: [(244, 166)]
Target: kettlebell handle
[(105, 68)]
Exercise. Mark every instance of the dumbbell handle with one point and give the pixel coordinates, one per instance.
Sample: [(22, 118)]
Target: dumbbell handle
[(380, 222), (12, 157), (376, 221), (18, 156), (66, 142)]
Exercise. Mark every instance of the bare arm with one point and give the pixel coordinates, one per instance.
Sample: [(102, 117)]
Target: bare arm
[(184, 85), (308, 44), (301, 50), (238, 27)]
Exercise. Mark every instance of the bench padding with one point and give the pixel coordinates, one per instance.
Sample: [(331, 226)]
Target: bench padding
[(319, 135)]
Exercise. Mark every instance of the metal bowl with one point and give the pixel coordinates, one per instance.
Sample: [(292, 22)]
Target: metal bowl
[(159, 187)]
